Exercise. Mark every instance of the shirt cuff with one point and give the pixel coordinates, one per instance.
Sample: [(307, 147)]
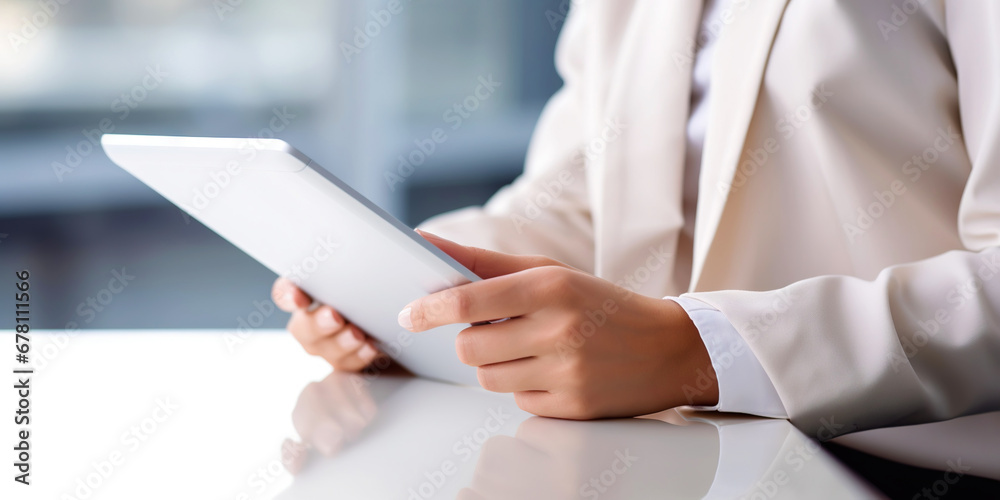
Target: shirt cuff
[(744, 386)]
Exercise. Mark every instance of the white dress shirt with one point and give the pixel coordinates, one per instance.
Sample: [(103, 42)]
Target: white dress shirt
[(744, 386)]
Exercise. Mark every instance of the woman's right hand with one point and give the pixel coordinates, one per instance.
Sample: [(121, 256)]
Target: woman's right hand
[(322, 331)]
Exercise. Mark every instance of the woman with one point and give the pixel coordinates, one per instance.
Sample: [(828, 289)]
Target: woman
[(813, 187)]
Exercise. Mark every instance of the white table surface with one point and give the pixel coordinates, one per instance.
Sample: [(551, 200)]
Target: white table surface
[(204, 414)]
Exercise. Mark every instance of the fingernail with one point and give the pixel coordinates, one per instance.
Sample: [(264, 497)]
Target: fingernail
[(367, 353), (347, 340), (282, 295), (326, 320), (404, 319)]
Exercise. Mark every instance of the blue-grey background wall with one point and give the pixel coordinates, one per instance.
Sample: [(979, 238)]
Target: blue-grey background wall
[(351, 83)]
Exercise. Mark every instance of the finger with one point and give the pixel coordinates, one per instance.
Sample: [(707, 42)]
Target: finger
[(504, 457), (311, 327), (307, 409), (487, 263), (340, 405), (341, 350), (531, 374), (327, 321), (551, 404), (359, 359), (328, 437), (287, 296), (495, 298), (312, 421), (293, 456), (356, 387), (553, 437), (498, 342)]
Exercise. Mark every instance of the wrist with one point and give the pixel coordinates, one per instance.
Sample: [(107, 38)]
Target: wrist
[(693, 381)]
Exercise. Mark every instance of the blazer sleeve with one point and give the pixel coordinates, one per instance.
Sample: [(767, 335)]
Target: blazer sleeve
[(546, 210), (921, 342)]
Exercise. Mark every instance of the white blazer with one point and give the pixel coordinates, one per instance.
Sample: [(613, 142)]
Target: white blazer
[(848, 219)]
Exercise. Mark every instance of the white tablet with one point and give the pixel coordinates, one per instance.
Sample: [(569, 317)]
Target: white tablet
[(301, 222)]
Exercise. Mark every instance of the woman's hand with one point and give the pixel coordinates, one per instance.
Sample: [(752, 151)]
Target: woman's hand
[(322, 331), (328, 415), (575, 346)]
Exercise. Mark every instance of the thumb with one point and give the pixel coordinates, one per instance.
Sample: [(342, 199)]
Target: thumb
[(487, 263)]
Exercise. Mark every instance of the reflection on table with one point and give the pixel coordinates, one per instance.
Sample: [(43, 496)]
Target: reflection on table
[(388, 436)]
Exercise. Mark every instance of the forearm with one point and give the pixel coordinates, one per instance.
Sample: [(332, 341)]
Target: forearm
[(920, 343)]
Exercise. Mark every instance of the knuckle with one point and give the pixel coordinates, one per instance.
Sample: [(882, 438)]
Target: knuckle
[(283, 294), (548, 405), (487, 379), (525, 402), (348, 363), (567, 338), (465, 348), (552, 282), (544, 261), (418, 314), (567, 342), (461, 303), (311, 348)]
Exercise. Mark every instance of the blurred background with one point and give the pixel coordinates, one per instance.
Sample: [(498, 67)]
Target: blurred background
[(349, 82)]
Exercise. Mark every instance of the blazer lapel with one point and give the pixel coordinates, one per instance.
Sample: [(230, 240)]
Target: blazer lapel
[(640, 175), (740, 57)]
